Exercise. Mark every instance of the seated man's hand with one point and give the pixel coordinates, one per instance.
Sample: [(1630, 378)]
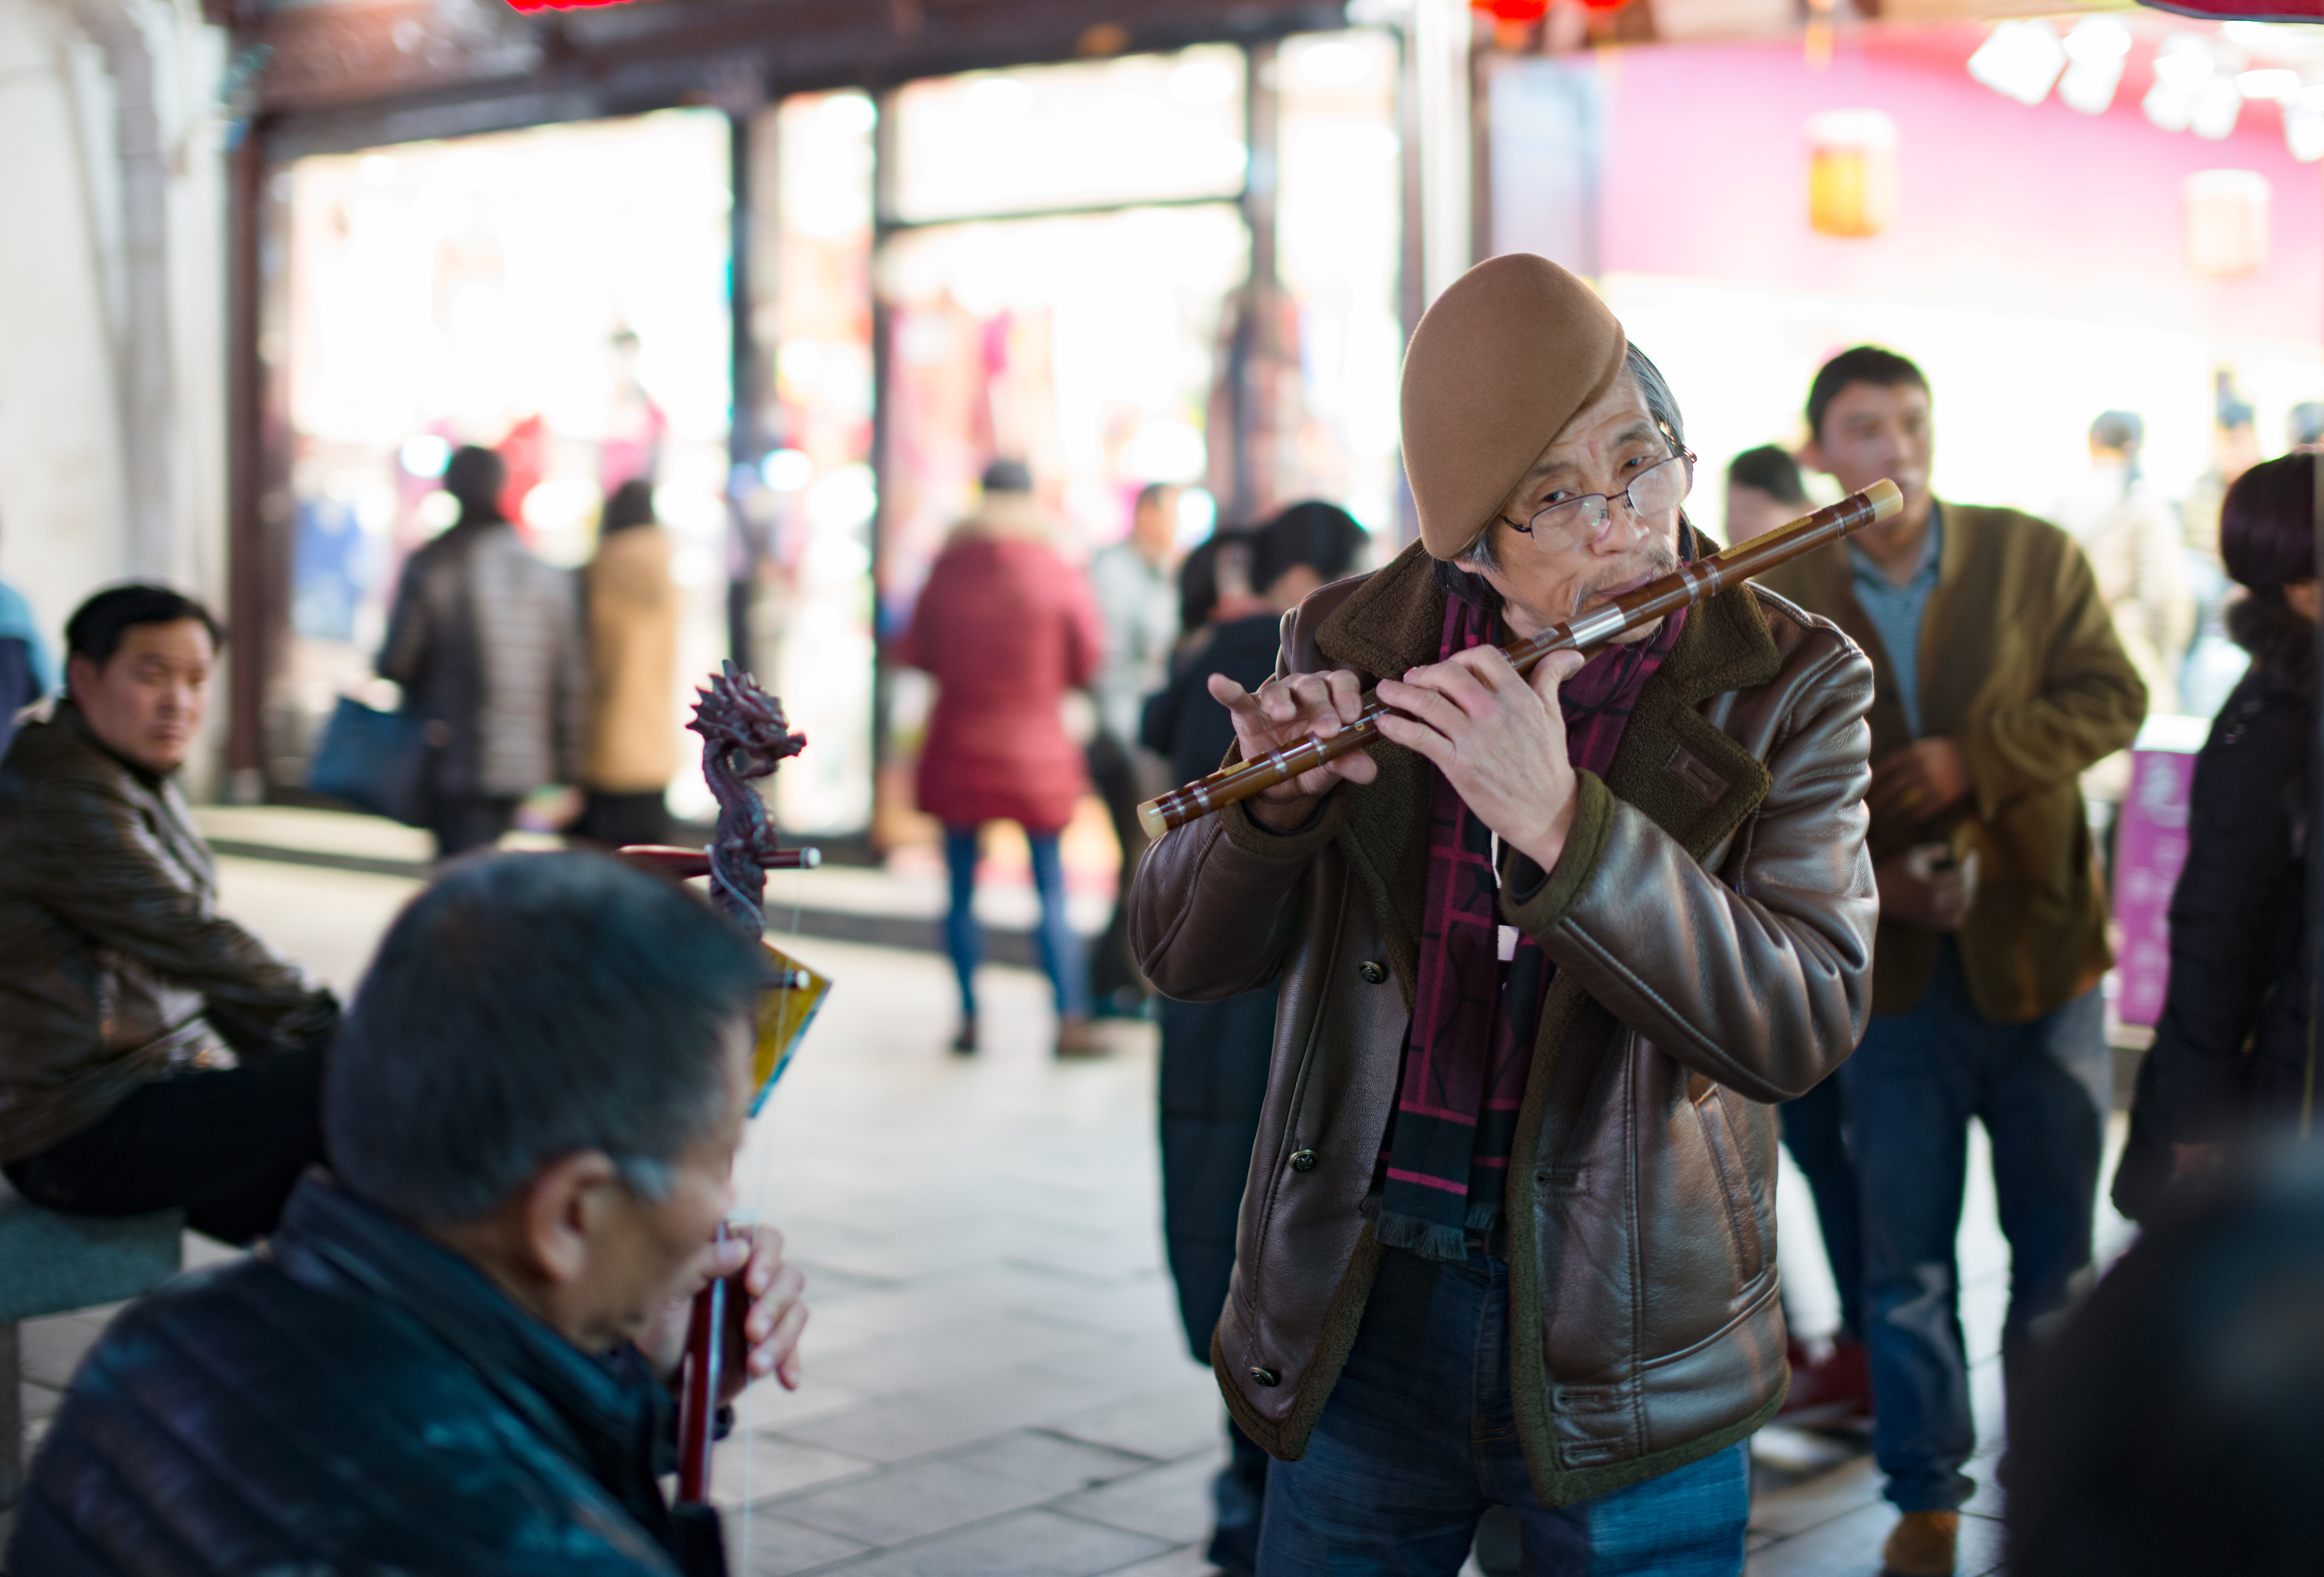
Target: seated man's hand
[(1923, 780), (1284, 712), (770, 1331), (1917, 891)]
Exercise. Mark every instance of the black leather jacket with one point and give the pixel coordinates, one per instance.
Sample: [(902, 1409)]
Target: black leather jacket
[(116, 966), (356, 1398)]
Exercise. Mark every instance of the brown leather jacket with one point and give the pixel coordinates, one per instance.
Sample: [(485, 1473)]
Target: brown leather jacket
[(114, 965), (1712, 923)]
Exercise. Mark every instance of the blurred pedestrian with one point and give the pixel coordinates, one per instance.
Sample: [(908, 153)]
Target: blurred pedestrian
[(632, 725), (2303, 427), (27, 671), (1998, 681), (1214, 1054), (1764, 491), (1006, 627), (2127, 533), (486, 640), (1136, 589), (2233, 1056), (153, 1053), (2176, 1423)]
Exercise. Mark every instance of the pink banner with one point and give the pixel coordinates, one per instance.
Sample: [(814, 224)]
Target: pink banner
[(2150, 846)]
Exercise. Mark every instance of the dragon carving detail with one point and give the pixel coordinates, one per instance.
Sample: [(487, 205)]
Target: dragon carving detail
[(745, 737)]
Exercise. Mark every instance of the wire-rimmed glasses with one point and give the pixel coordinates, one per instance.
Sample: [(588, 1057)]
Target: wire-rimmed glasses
[(1572, 521)]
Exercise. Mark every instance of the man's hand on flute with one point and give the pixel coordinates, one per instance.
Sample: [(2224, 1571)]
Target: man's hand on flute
[(1286, 711), (1498, 737)]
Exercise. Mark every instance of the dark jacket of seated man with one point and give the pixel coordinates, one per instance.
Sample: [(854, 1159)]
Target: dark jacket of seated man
[(120, 981), (445, 1361)]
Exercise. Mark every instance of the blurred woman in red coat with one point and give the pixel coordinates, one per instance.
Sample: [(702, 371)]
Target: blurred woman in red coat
[(1006, 627)]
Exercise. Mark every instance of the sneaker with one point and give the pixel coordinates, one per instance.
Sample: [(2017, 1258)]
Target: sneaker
[(1078, 1037), (963, 1039), (1838, 1385), (1920, 1544)]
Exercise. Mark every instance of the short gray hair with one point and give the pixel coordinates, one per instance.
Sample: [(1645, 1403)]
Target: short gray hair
[(529, 1007), (1661, 404)]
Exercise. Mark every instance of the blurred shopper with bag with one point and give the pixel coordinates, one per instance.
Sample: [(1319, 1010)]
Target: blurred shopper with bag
[(1137, 596), (1214, 1054), (1764, 491), (633, 729), (486, 640), (1999, 681), (2232, 1056), (153, 1053), (1005, 627)]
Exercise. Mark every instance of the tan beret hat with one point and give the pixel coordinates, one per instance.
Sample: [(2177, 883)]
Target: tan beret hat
[(1505, 358)]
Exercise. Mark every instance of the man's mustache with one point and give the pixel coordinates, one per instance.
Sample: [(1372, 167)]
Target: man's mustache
[(1652, 559)]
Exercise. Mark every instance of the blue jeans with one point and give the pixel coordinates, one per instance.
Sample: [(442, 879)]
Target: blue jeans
[(1419, 1437), (1061, 953), (1815, 1132), (2042, 1090)]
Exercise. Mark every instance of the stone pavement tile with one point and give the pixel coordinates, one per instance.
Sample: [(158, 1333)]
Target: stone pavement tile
[(1980, 1546), (958, 1348), (1985, 1467), (1049, 1463), (1812, 1502), (1031, 1544), (1185, 1562), (761, 1545), (1846, 1547), (1167, 1423), (38, 1400), (52, 1348), (909, 1501), (1170, 1502), (752, 1465), (938, 1418), (771, 1407)]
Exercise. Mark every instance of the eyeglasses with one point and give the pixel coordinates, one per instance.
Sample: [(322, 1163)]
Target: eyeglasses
[(1572, 521)]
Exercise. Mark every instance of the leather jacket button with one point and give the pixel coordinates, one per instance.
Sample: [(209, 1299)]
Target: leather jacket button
[(1264, 1376), (1371, 971), (1303, 1160)]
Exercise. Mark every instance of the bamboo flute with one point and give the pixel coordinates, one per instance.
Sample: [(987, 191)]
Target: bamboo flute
[(1682, 587)]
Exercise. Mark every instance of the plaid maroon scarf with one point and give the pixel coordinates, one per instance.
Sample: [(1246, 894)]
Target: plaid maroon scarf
[(1446, 1155)]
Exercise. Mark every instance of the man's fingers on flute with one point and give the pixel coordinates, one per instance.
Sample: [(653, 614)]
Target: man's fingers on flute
[(1458, 682), (1424, 702), (1347, 694), (1554, 671), (1416, 736)]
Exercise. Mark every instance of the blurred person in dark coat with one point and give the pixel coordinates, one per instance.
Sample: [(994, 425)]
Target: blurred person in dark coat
[(27, 671), (486, 640), (2175, 1423), (2232, 1056), (1215, 1054), (633, 741), (1005, 627), (153, 1053)]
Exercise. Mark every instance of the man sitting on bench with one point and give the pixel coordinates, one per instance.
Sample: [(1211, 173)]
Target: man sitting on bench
[(153, 1053), (453, 1356)]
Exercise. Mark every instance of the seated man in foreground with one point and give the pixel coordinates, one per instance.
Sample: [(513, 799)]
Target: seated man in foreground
[(153, 1053), (1545, 959), (453, 1356)]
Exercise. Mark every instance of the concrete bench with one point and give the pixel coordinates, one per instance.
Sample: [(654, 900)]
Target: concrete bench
[(52, 1264)]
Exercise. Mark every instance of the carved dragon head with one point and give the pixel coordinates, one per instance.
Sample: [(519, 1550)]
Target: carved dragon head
[(739, 721)]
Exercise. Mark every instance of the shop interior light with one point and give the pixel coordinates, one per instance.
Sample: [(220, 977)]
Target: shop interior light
[(2226, 220), (2181, 66), (786, 470), (425, 454), (2303, 131), (1335, 64), (2020, 61), (2269, 82), (2096, 51), (1853, 183)]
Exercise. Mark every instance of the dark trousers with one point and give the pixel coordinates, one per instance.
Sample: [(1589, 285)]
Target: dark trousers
[(462, 822), (1420, 1436), (1115, 779), (225, 1144), (616, 819), (1914, 1083), (1815, 1132)]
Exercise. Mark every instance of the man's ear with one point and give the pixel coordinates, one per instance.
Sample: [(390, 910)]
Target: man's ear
[(565, 1206), (81, 674), (1811, 455)]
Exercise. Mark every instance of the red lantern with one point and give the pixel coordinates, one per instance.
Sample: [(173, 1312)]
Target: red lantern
[(1520, 12)]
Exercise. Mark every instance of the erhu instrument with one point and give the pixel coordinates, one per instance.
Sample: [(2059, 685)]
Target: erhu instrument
[(1684, 587)]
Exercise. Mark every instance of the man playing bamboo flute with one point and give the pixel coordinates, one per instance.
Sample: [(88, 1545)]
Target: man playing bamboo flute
[(1546, 960)]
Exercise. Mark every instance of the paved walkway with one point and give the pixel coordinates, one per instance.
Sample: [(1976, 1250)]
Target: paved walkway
[(995, 1379)]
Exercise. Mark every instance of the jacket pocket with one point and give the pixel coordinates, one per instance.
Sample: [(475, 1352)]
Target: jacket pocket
[(1719, 1137)]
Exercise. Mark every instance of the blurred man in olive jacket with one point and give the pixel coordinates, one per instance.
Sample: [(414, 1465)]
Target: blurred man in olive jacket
[(2000, 681)]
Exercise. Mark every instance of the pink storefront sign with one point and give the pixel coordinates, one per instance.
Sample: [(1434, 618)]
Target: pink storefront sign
[(2150, 847)]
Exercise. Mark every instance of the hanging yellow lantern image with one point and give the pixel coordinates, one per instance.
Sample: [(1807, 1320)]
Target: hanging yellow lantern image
[(1852, 185)]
